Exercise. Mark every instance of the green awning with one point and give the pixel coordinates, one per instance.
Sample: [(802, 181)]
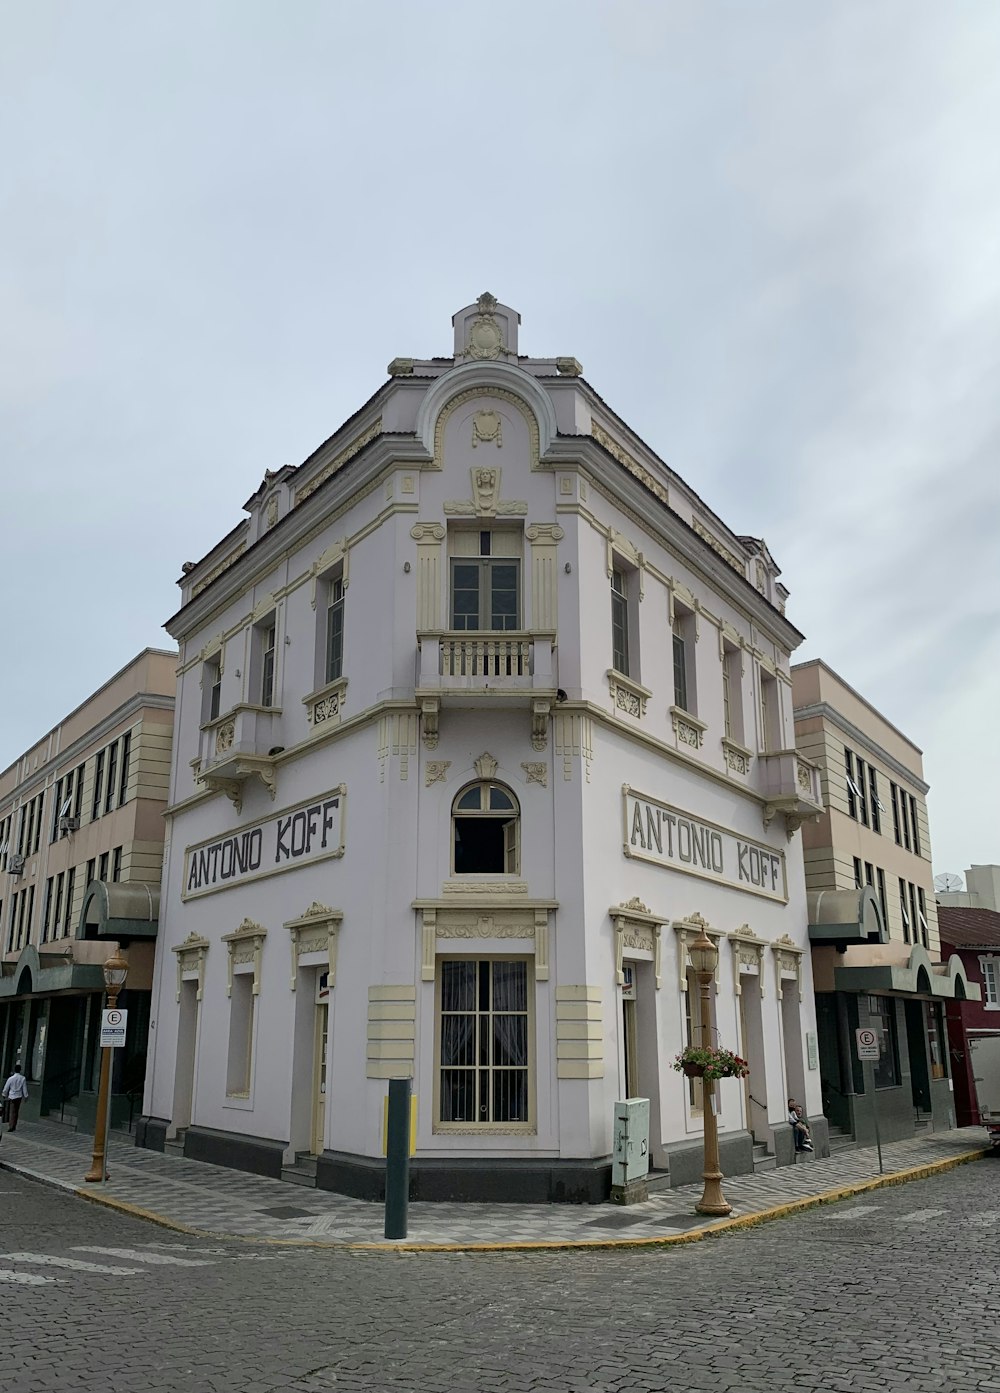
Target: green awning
[(120, 910), (36, 974), (845, 916), (917, 977)]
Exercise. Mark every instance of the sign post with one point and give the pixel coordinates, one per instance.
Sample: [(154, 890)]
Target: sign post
[(866, 1042)]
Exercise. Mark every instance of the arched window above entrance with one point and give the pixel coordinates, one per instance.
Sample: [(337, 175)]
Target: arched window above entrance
[(485, 821)]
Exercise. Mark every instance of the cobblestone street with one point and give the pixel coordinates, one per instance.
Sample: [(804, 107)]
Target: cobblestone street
[(829, 1299)]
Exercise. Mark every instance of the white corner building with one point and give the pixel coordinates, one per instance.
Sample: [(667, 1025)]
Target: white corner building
[(482, 713)]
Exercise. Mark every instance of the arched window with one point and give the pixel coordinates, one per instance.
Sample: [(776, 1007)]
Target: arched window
[(486, 831)]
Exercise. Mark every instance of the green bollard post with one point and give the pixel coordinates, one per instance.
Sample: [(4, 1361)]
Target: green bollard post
[(397, 1159)]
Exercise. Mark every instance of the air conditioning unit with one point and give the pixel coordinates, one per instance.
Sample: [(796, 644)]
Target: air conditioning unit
[(67, 825), (15, 864)]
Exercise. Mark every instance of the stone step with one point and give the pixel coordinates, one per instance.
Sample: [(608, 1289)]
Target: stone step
[(658, 1181), (300, 1175), (764, 1163)]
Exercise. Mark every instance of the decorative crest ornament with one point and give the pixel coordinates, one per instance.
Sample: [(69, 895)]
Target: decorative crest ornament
[(487, 428), (485, 336), (486, 766)]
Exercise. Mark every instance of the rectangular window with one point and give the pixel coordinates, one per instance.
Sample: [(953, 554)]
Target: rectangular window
[(95, 810), (78, 791), (21, 824), (116, 864), (904, 820), (935, 1038), (619, 621), (57, 913), (102, 867), (894, 798), (882, 898), (869, 874), (57, 811), (680, 673), (267, 664), (485, 582), (873, 800), (484, 1042), (47, 910), (211, 689), (991, 980), (914, 921), (91, 870), (123, 776), (769, 713), (112, 779), (913, 824), (860, 787), (904, 910), (882, 1019), (922, 918), (334, 630), (241, 1014), (68, 913), (732, 692), (852, 788), (858, 877)]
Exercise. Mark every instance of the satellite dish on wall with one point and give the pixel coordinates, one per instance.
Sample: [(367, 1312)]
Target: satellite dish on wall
[(948, 881)]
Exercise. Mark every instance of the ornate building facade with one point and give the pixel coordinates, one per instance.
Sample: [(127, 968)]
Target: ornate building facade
[(482, 714)]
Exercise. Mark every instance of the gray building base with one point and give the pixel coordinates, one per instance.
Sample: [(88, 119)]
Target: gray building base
[(686, 1159), (472, 1181)]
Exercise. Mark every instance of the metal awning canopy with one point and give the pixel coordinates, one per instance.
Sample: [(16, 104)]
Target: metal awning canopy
[(120, 910), (845, 916), (917, 977)]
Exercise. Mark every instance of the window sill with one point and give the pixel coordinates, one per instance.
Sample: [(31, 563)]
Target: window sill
[(325, 704), (737, 757), (628, 695), (688, 729)]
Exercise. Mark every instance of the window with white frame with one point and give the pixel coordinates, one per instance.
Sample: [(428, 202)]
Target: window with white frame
[(619, 621), (693, 1032), (732, 692), (333, 627), (484, 1041), (262, 660), (211, 688), (485, 587), (770, 713), (991, 982), (241, 1022), (486, 831), (682, 649)]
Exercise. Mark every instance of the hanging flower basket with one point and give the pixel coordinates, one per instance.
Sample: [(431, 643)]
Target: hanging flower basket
[(696, 1062)]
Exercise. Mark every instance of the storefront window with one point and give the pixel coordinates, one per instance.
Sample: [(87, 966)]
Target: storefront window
[(882, 1018), (935, 1038)]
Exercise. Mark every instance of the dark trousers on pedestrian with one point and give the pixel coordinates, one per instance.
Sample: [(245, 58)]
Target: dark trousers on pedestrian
[(13, 1109)]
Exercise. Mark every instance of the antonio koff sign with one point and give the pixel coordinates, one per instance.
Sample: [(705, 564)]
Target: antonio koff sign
[(296, 836), (656, 832)]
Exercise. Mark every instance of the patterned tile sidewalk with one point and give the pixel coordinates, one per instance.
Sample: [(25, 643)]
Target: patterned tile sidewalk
[(221, 1202)]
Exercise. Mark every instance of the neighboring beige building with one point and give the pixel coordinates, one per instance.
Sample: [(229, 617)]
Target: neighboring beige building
[(81, 848), (873, 917)]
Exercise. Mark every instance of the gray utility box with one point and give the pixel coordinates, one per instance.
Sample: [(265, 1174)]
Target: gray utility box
[(630, 1160)]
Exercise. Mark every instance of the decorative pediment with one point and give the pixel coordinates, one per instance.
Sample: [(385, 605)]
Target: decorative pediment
[(191, 959), (787, 963), (748, 957), (638, 934), (246, 947), (469, 924), (486, 766), (687, 930), (317, 930)]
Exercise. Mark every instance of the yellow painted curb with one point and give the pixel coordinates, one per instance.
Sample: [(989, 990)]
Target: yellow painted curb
[(744, 1221)]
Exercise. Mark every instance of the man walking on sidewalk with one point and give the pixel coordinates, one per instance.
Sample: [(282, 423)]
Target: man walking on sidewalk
[(14, 1090)]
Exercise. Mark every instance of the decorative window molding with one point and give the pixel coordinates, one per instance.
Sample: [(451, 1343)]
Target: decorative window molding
[(324, 706), (738, 758), (246, 946), (446, 924), (989, 966), (315, 931), (748, 954), (688, 729), (337, 554), (628, 696), (191, 959), (687, 930), (787, 964), (640, 931)]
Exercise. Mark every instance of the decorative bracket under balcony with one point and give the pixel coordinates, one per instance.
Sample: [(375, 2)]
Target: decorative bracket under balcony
[(239, 746), (790, 786), (628, 695)]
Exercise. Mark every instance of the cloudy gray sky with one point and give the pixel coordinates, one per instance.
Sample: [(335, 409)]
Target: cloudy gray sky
[(770, 232)]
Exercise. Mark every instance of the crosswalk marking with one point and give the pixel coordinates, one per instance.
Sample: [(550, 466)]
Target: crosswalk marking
[(25, 1279), (917, 1216), (73, 1264), (856, 1211), (133, 1255)]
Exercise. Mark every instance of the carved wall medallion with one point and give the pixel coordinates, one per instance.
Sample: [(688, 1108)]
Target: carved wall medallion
[(487, 429), (224, 737), (537, 773), (485, 337), (436, 771)]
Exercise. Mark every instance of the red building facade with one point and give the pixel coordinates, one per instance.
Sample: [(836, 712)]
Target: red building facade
[(975, 935)]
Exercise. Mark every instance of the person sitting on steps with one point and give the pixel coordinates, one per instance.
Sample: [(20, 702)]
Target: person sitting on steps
[(803, 1141)]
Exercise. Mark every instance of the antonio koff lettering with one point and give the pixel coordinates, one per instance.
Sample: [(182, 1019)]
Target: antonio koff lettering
[(295, 836), (667, 835)]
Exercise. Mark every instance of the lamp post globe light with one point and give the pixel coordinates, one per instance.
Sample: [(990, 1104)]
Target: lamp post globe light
[(704, 957), (115, 976)]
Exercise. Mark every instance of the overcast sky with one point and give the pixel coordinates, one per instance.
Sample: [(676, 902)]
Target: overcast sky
[(769, 231)]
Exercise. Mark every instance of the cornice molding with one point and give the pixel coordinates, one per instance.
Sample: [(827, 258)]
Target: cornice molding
[(826, 712)]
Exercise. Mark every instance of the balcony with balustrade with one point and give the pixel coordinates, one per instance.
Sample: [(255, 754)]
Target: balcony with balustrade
[(790, 785), (238, 746), (503, 668)]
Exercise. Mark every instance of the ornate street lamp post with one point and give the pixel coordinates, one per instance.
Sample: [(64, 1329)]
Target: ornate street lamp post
[(115, 973), (704, 958)]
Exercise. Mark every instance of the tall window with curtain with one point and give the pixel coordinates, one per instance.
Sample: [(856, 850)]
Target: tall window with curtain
[(484, 1042)]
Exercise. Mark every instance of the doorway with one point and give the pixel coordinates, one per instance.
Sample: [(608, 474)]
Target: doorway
[(752, 1049), (187, 1043), (630, 1038), (321, 1038)]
